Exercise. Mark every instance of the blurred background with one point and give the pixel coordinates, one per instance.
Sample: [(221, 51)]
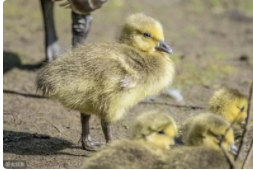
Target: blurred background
[(212, 42)]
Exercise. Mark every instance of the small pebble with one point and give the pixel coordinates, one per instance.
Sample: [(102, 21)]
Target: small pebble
[(244, 58)]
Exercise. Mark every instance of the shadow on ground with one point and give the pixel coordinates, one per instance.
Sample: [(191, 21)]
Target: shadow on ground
[(23, 143), (12, 60)]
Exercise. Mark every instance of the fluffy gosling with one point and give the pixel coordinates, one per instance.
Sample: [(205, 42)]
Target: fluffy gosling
[(208, 130), (199, 157), (230, 104), (153, 133), (106, 79), (203, 135)]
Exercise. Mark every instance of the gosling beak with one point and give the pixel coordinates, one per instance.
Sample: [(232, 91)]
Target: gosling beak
[(233, 149), (164, 47), (178, 141)]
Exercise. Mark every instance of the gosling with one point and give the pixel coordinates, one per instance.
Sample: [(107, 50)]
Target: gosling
[(107, 79), (153, 133), (204, 136), (208, 130), (230, 104)]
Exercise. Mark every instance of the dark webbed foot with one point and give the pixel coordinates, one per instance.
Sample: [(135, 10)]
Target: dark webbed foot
[(88, 145)]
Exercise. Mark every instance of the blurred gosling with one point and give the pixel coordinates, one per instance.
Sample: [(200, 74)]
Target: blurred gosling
[(203, 136), (153, 133)]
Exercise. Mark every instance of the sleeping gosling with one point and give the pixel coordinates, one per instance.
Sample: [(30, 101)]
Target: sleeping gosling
[(230, 104), (208, 130), (107, 79), (153, 133), (204, 138)]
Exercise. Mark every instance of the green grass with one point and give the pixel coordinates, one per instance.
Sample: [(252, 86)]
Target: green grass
[(191, 74), (247, 7), (216, 53), (220, 6), (191, 30)]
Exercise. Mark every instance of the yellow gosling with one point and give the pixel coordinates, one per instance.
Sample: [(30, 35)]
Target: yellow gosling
[(230, 104), (203, 135), (153, 133), (107, 79)]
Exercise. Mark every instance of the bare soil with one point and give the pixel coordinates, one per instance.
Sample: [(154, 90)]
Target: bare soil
[(213, 45)]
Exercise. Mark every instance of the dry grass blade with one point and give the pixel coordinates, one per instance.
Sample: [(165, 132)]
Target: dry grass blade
[(174, 105), (245, 132), (247, 164), (230, 161), (246, 126)]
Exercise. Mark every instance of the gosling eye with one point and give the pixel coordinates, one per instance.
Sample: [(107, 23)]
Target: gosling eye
[(161, 132), (147, 35), (241, 108)]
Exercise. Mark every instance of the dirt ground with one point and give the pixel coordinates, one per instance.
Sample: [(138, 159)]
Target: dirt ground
[(213, 45)]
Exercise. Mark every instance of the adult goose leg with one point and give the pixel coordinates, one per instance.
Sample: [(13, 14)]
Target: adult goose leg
[(52, 47)]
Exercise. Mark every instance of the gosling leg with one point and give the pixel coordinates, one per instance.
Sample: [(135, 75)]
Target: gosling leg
[(86, 139), (106, 130)]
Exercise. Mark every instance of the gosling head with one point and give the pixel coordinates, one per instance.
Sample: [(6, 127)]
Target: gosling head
[(230, 104), (155, 128), (144, 33), (212, 131)]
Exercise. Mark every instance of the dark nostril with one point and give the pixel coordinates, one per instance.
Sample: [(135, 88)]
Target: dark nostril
[(178, 141), (242, 109)]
